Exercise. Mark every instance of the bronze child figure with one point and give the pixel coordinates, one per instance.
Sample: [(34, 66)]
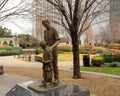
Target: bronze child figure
[(47, 65)]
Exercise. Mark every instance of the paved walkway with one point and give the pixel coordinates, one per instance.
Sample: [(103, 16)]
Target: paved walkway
[(10, 61), (9, 81)]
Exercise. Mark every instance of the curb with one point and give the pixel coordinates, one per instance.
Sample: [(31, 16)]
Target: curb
[(96, 73)]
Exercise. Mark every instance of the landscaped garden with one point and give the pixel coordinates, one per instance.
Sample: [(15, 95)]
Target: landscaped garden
[(100, 59), (105, 62)]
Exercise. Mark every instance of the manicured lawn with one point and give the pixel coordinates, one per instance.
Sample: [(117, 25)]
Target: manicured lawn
[(68, 56), (106, 70)]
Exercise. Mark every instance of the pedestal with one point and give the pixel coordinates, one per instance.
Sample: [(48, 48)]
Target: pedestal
[(67, 90)]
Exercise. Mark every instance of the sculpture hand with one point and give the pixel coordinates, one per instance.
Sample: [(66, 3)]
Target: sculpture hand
[(50, 48)]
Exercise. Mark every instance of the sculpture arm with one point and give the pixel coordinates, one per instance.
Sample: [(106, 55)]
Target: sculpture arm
[(48, 61), (55, 44)]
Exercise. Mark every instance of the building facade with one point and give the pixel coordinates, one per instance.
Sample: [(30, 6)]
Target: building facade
[(115, 19), (10, 41), (44, 10)]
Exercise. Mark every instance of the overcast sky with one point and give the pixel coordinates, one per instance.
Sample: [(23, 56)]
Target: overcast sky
[(16, 25), (19, 25)]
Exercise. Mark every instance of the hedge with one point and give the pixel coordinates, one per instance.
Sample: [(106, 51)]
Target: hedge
[(65, 49), (10, 51), (97, 61), (84, 50), (111, 58), (114, 64)]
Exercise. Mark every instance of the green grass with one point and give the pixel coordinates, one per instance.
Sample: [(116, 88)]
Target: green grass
[(68, 56), (106, 70)]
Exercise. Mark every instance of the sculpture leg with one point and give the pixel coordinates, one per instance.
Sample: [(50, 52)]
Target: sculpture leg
[(44, 77), (55, 65)]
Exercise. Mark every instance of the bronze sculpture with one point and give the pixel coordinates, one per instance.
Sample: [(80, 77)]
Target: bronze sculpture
[(52, 39), (47, 65)]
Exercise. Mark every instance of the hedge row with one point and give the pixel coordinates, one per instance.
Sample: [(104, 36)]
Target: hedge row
[(10, 51), (114, 64), (81, 50), (112, 60)]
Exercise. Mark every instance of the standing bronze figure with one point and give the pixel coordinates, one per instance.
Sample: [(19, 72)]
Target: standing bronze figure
[(52, 39)]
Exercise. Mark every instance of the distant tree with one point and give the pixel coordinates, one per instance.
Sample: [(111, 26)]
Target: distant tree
[(27, 40), (5, 43), (107, 36), (11, 43), (96, 39), (5, 32)]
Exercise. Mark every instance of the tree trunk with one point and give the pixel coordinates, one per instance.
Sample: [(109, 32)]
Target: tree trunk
[(76, 61)]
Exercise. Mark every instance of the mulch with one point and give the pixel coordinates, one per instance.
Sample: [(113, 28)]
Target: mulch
[(98, 85)]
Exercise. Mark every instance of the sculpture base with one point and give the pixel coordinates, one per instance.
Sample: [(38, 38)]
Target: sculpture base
[(35, 86), (66, 89)]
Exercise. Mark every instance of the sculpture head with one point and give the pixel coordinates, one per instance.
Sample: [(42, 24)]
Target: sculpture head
[(46, 23), (43, 44)]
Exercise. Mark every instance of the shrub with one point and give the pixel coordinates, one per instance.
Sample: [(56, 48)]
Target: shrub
[(99, 50), (105, 53), (38, 51), (84, 50), (92, 52), (113, 64), (97, 60), (115, 46), (86, 46), (10, 51), (111, 58), (65, 49)]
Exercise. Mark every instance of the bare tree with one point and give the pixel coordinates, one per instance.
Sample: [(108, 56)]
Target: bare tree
[(8, 8), (108, 36), (77, 16), (96, 39), (104, 35)]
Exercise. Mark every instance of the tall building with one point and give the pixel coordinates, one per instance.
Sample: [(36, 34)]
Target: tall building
[(115, 19), (44, 10)]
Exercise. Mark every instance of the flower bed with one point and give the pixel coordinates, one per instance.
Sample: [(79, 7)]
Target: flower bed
[(3, 47)]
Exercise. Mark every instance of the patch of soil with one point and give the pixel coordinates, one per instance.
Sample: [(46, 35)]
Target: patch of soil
[(98, 85)]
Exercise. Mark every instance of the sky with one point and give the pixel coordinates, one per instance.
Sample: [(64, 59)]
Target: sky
[(20, 25), (15, 24)]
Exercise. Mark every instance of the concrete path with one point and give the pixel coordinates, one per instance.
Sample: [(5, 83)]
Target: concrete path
[(8, 81), (10, 61)]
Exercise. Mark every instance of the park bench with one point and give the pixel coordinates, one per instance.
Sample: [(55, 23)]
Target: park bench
[(26, 54)]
